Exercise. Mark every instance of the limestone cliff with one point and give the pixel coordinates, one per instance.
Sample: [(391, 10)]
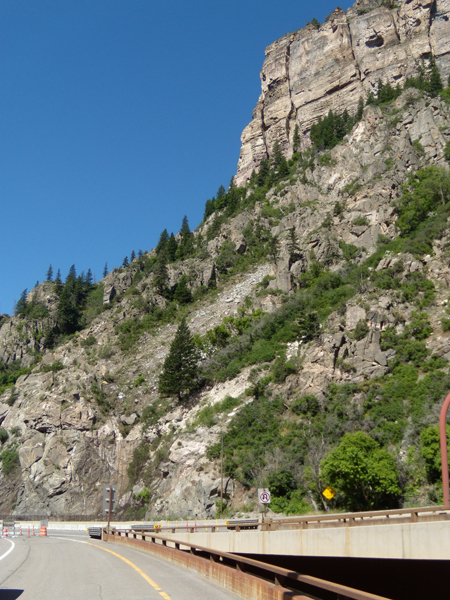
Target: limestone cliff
[(311, 71)]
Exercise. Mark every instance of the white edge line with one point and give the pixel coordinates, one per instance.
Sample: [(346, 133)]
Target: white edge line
[(8, 551)]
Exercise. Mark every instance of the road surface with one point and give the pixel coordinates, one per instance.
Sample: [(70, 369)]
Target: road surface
[(63, 567)]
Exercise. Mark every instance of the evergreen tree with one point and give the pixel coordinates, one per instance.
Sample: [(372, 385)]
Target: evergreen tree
[(296, 139), (220, 192), (277, 155), (132, 256), (58, 281), (180, 370), (186, 245), (140, 253), (67, 313), (105, 270), (171, 248), (49, 275), (88, 278), (272, 246), (162, 243), (283, 168), (21, 304), (161, 275), (359, 112), (182, 293), (293, 247), (209, 208), (264, 168), (434, 78)]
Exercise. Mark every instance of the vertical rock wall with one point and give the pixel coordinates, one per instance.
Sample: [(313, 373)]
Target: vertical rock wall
[(311, 71)]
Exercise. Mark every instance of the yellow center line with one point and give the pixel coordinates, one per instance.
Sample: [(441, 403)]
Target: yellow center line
[(140, 571)]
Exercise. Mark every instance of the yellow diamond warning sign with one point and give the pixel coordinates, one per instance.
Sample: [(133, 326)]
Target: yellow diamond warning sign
[(329, 493)]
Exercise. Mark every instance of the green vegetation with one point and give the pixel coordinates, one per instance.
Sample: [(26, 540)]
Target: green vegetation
[(331, 130), (208, 415), (10, 460), (365, 474), (180, 370), (10, 373)]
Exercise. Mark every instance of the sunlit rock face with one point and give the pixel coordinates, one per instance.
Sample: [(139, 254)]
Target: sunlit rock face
[(314, 70)]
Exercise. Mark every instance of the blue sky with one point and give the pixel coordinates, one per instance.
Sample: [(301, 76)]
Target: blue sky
[(117, 118)]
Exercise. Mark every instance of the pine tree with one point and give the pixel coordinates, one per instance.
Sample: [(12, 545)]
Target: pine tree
[(161, 275), (182, 293), (434, 78), (264, 168), (171, 248), (162, 243), (21, 304), (296, 139), (359, 112), (132, 256), (293, 247), (186, 245), (210, 206), (125, 262), (180, 370), (277, 155), (49, 275), (88, 278), (140, 253), (105, 270), (58, 281)]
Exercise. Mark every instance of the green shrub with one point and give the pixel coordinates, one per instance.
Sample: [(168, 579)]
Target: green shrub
[(282, 369), (361, 330), (445, 323), (54, 367), (141, 455), (3, 435), (89, 341), (307, 405), (360, 221), (10, 461), (430, 452), (364, 475), (139, 381)]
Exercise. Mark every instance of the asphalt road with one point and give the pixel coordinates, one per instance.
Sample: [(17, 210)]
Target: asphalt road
[(77, 568)]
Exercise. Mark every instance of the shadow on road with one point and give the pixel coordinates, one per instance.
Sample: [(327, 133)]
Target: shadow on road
[(10, 594)]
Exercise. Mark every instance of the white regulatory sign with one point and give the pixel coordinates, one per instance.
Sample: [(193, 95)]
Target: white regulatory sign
[(264, 496)]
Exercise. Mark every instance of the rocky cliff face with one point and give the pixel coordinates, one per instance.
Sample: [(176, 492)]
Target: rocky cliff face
[(311, 71), (77, 418)]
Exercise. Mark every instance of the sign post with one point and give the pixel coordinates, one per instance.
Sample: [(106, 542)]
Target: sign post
[(264, 498), (109, 500)]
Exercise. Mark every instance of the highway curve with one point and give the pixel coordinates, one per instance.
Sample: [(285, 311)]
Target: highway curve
[(77, 568)]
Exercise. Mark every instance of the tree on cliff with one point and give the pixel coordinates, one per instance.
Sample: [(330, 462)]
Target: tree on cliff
[(49, 275), (180, 371)]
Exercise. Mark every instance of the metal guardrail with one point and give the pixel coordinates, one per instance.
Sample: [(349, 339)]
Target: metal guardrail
[(380, 517), (291, 580)]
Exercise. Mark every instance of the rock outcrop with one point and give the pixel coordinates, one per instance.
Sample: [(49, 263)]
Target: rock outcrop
[(312, 71)]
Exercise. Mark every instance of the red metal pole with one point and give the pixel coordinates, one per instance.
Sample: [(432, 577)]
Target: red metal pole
[(444, 452)]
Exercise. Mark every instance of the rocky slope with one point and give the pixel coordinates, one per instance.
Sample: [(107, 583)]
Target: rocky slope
[(88, 407), (311, 71)]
